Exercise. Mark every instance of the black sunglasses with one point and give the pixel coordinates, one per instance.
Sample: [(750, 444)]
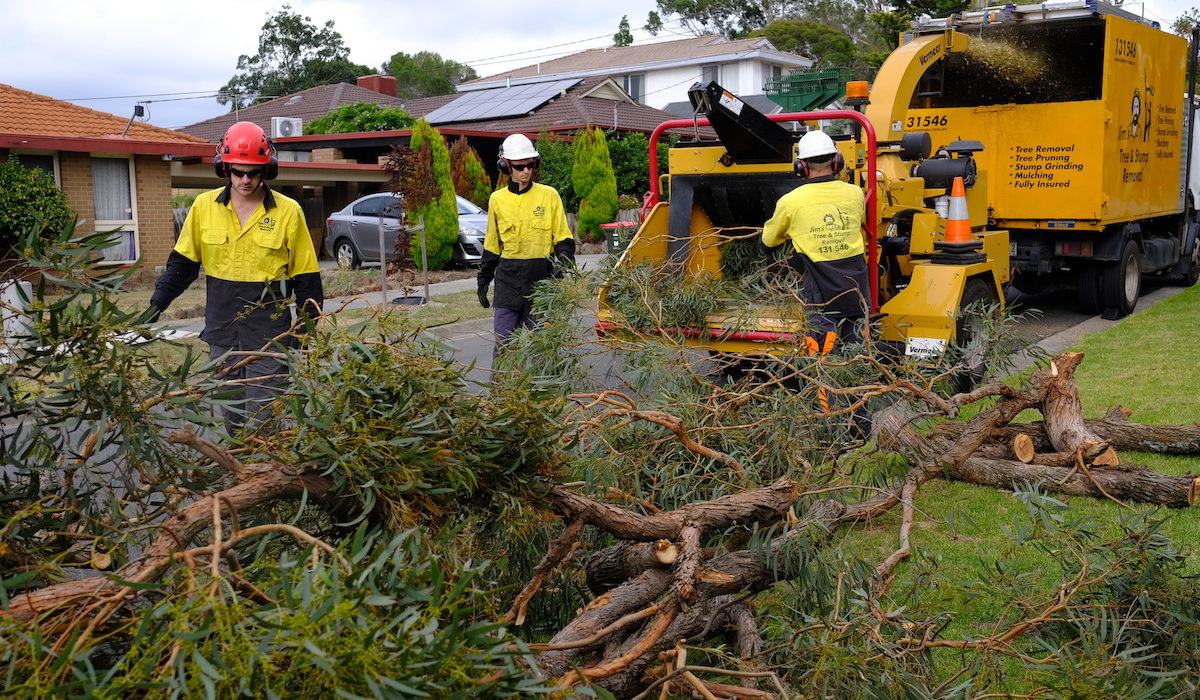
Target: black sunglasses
[(520, 166), (245, 173)]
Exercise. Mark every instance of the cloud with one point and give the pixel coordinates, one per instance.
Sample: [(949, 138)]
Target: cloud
[(142, 50)]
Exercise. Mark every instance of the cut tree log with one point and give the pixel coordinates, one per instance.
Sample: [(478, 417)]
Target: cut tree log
[(1114, 428), (1022, 448), (1126, 482), (1063, 414)]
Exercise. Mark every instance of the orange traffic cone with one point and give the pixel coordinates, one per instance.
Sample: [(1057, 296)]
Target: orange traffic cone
[(958, 221), (960, 246)]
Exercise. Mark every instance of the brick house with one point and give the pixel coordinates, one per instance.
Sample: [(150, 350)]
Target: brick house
[(116, 172)]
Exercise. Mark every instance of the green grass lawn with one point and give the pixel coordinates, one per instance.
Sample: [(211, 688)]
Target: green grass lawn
[(441, 310), (337, 283), (961, 547)]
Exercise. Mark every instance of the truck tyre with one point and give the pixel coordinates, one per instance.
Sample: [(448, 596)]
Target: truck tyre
[(970, 334), (1089, 292), (1121, 282), (1191, 269)]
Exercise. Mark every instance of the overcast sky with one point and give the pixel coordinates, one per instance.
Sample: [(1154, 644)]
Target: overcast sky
[(139, 50), (175, 56)]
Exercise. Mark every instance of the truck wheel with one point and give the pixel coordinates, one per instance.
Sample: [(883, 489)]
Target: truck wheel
[(970, 335), (1089, 292), (1121, 282), (1191, 273)]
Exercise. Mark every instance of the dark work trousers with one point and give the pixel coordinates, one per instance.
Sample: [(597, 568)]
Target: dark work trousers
[(827, 336), (506, 321), (251, 400)]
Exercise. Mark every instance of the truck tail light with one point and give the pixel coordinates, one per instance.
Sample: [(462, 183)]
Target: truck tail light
[(1075, 249)]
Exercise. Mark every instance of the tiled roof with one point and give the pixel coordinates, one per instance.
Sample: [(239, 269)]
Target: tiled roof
[(28, 113), (564, 113), (308, 105), (613, 58)]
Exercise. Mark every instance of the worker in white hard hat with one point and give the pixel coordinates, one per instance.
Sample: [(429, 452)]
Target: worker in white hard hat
[(527, 240), (823, 219)]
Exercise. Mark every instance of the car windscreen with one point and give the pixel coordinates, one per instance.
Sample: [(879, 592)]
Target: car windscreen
[(466, 206)]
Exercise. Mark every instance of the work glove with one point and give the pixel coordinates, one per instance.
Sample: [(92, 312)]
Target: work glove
[(151, 314), (563, 255), (483, 300)]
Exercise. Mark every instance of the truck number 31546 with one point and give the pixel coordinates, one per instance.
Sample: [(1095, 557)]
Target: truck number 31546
[(925, 120)]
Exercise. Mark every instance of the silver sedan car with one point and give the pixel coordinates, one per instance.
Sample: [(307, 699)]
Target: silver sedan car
[(352, 234)]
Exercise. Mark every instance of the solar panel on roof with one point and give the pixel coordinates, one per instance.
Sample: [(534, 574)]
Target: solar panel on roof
[(499, 102)]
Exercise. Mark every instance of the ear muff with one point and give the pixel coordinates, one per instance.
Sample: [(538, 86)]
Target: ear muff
[(270, 168), (503, 166), (838, 163)]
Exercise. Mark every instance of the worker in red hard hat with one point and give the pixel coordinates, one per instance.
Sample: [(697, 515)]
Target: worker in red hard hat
[(823, 220), (527, 239), (257, 256)]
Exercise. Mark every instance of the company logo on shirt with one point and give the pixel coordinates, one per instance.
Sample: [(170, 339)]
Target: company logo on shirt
[(539, 211), (267, 224), (831, 222)]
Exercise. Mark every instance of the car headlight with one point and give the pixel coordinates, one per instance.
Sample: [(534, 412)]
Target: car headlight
[(470, 233)]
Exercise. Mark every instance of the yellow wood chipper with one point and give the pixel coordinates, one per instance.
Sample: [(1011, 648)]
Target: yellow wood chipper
[(1068, 124)]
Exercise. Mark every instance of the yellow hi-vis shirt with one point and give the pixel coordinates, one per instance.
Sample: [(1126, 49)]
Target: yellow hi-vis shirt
[(252, 270), (273, 245), (822, 219), (525, 226)]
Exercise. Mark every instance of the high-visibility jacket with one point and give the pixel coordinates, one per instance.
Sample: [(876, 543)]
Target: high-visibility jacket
[(252, 271), (823, 220), (527, 236)]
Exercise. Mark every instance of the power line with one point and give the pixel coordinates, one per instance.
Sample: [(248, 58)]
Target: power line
[(199, 93), (505, 57)]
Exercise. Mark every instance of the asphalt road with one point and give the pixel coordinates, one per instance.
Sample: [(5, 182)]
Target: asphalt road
[(1049, 320)]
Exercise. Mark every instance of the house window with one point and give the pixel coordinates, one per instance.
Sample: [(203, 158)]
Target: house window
[(776, 72), (38, 161), (710, 73), (729, 77), (635, 85), (113, 197)]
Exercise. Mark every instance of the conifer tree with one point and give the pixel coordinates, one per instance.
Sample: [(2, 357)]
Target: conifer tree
[(595, 183), (470, 179), (441, 215)]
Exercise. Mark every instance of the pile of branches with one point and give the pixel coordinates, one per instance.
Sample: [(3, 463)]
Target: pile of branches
[(666, 585), (342, 548)]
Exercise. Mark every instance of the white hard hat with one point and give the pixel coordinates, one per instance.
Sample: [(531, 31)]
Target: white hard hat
[(517, 147), (813, 144)]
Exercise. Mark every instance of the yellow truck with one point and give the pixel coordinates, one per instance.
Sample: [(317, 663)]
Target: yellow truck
[(1067, 123)]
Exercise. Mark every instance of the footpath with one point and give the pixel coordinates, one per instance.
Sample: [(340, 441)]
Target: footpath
[(461, 334), (193, 326)]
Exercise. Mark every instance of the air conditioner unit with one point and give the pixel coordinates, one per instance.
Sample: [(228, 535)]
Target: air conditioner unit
[(286, 126)]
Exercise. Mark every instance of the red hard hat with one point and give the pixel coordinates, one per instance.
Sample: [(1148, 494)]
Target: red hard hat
[(245, 143)]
